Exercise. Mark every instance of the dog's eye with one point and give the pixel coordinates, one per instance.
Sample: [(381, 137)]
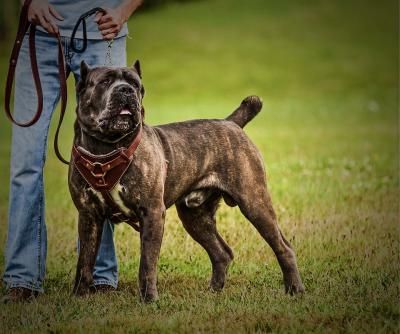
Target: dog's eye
[(105, 82), (133, 83)]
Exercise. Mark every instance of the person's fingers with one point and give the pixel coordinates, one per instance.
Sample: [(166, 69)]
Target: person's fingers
[(53, 12), (98, 16), (53, 25), (31, 18), (45, 24), (110, 36), (51, 22), (107, 25), (105, 18), (110, 31)]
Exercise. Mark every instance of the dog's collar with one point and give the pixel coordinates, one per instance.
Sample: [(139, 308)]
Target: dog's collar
[(102, 172)]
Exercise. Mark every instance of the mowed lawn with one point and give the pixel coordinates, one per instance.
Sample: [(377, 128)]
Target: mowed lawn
[(327, 72)]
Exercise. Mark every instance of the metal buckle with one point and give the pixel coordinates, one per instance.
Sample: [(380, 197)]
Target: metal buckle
[(101, 176), (99, 165)]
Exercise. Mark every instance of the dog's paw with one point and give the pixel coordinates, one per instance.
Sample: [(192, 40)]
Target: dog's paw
[(293, 285), (81, 291), (148, 297), (216, 286)]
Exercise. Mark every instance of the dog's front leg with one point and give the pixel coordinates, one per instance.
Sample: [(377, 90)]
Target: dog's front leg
[(150, 243), (90, 231)]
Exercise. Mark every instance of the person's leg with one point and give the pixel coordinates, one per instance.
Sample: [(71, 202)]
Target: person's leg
[(25, 255), (106, 267)]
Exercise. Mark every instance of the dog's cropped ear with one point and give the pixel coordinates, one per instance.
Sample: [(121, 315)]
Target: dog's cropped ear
[(84, 72), (136, 67)]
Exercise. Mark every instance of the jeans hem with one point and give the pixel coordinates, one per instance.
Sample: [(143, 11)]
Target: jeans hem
[(106, 282), (23, 285)]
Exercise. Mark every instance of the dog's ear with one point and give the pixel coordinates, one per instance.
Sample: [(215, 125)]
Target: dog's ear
[(136, 67), (84, 72)]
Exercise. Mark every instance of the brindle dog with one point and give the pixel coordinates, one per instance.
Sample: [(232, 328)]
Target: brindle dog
[(191, 164)]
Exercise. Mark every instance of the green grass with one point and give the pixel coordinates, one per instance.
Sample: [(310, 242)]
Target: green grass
[(328, 74)]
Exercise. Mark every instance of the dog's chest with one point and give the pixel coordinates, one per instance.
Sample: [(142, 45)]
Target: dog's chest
[(119, 197)]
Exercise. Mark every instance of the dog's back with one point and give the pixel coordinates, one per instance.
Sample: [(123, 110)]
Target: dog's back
[(210, 152)]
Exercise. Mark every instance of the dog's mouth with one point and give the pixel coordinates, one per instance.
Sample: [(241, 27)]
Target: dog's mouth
[(123, 120), (119, 120)]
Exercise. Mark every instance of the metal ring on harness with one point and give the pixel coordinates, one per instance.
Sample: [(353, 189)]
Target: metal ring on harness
[(82, 19)]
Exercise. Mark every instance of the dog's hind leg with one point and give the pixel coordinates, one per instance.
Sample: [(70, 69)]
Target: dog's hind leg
[(257, 207), (200, 223)]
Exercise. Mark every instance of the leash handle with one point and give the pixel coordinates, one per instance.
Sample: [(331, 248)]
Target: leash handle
[(82, 19), (23, 27)]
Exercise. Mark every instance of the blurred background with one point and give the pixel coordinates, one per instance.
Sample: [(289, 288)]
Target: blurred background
[(327, 72)]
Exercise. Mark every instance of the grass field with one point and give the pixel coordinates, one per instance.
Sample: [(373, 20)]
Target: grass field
[(328, 74)]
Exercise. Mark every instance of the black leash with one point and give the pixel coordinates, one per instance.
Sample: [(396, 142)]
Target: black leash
[(82, 19)]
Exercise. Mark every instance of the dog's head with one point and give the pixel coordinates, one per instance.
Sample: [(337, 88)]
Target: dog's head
[(110, 100)]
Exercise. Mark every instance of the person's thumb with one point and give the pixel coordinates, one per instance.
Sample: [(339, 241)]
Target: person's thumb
[(98, 16)]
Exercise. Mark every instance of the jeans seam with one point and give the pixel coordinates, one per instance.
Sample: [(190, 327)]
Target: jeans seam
[(67, 51), (40, 220), (39, 225)]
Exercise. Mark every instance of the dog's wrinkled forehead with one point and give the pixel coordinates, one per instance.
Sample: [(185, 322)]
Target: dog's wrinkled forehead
[(108, 76)]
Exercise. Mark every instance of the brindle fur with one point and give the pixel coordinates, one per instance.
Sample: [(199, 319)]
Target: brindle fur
[(191, 164)]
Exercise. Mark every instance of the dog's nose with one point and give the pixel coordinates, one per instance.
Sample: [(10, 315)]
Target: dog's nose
[(125, 89)]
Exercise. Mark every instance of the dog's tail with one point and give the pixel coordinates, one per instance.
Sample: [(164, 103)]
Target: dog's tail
[(247, 110)]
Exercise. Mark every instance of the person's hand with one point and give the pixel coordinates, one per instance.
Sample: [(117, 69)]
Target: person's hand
[(110, 23), (43, 14)]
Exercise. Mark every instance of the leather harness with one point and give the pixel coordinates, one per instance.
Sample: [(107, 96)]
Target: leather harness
[(101, 172)]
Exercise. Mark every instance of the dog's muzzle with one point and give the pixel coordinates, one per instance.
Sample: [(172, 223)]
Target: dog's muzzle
[(122, 110)]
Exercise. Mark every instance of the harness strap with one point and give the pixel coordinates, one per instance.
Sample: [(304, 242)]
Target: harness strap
[(23, 27)]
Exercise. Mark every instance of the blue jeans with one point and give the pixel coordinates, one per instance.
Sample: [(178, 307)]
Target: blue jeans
[(25, 257)]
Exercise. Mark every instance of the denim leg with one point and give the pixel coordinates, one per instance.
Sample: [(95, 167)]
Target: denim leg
[(25, 256), (106, 267)]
